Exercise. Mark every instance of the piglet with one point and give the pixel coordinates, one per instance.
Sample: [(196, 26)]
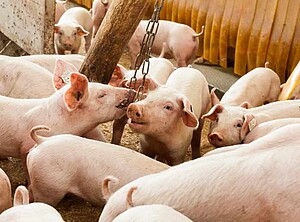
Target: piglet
[(76, 108), (73, 24), (159, 69), (181, 41), (25, 80), (48, 61), (231, 124), (99, 10), (257, 87), (151, 213), (34, 212), (5, 191), (91, 161), (168, 118), (59, 9), (245, 184)]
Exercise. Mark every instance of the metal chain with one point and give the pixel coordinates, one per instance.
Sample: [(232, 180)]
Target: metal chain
[(144, 55)]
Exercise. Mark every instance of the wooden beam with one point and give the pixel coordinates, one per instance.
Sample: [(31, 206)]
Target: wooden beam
[(116, 29)]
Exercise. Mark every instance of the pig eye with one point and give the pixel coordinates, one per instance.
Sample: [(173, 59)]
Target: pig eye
[(75, 33), (239, 125), (168, 107), (101, 95), (217, 119)]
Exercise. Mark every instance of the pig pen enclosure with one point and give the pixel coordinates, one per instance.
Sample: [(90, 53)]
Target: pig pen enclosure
[(258, 33)]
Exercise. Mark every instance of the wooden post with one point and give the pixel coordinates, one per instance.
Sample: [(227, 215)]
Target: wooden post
[(116, 29)]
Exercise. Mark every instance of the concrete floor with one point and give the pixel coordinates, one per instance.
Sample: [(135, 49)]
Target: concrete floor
[(217, 76)]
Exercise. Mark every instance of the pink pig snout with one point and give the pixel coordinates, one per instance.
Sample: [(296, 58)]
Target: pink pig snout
[(134, 111), (215, 139)]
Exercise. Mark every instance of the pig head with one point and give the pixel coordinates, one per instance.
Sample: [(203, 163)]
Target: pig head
[(229, 125), (163, 114), (68, 37)]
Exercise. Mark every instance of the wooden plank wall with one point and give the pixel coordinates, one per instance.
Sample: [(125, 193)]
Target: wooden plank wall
[(86, 3), (29, 23), (248, 32), (255, 31)]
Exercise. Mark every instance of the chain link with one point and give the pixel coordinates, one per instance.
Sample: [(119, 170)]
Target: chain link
[(144, 55)]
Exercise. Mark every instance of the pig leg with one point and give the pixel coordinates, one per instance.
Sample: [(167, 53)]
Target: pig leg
[(118, 128), (134, 49), (51, 195), (60, 51), (95, 134), (196, 140), (88, 40), (75, 51), (181, 62), (172, 161), (23, 156)]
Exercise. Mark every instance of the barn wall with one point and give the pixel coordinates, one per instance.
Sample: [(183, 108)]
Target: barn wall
[(27, 23), (86, 3), (248, 32)]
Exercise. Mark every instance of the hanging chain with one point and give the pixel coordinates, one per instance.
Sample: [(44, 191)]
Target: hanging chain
[(144, 55)]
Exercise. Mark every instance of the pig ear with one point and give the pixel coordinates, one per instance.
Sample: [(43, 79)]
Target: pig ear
[(214, 99), (188, 117), (62, 72), (77, 92), (149, 84), (56, 28), (248, 125), (117, 76), (81, 31), (213, 112), (246, 105)]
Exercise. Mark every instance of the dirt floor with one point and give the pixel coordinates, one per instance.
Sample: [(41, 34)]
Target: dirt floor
[(73, 208)]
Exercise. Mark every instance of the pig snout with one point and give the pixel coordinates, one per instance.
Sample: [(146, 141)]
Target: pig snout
[(67, 45), (215, 139), (134, 112)]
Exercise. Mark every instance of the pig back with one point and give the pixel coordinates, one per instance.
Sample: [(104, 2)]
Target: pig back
[(23, 79), (259, 86)]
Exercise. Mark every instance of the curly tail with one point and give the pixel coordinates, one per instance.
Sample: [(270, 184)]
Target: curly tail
[(38, 139), (129, 202), (267, 65), (199, 34), (105, 191)]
